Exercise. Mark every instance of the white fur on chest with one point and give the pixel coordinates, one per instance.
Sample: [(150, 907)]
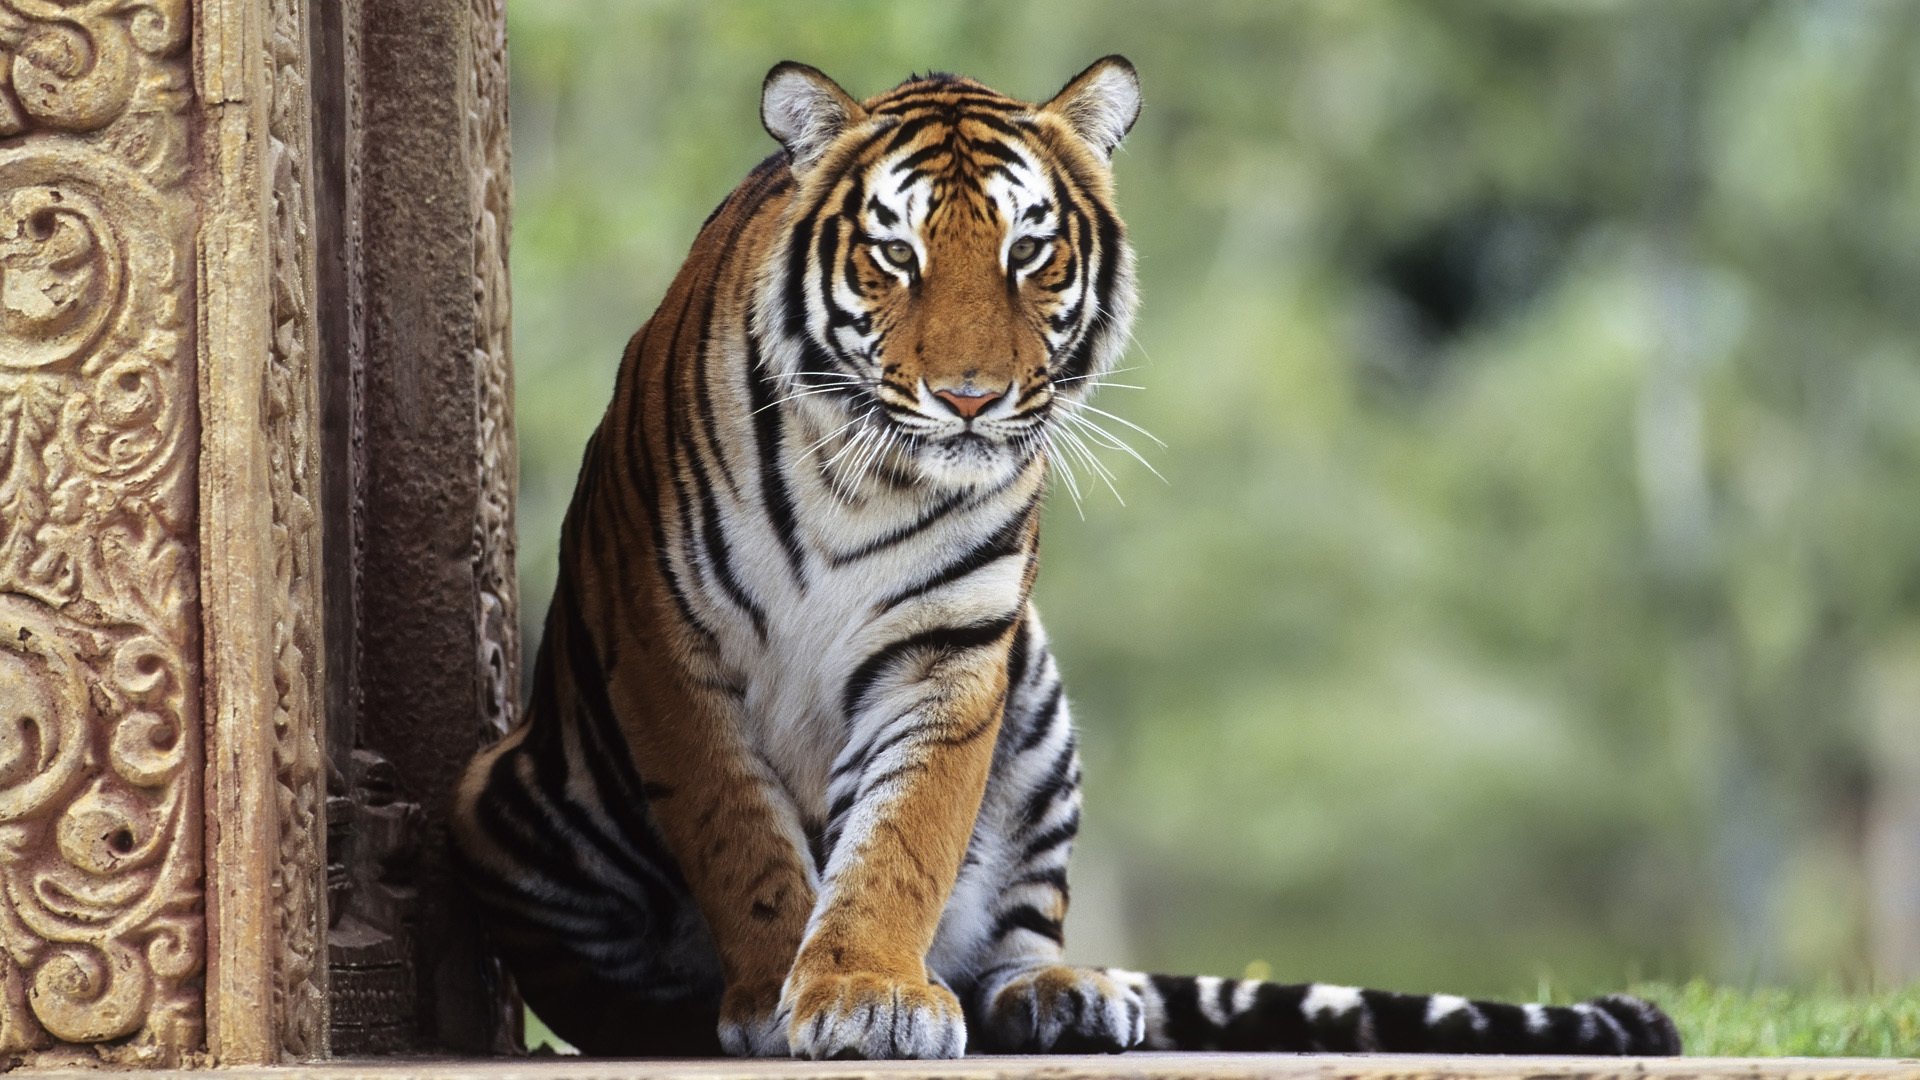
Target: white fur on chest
[(818, 634), (821, 623)]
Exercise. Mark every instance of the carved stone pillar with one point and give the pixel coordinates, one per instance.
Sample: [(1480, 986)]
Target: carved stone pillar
[(181, 288), (102, 912), (425, 435)]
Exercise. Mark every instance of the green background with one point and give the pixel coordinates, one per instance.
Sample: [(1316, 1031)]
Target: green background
[(1534, 593)]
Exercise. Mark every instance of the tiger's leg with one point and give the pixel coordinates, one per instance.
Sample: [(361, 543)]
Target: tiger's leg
[(737, 839), (579, 898), (567, 874), (904, 794), (1002, 935)]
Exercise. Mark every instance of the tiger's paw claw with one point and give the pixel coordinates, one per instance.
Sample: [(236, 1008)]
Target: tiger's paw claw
[(752, 1023), (862, 1015), (1062, 1010)]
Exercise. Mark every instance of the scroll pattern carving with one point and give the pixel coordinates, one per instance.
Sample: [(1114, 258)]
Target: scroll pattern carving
[(293, 484), (498, 607), (493, 525), (101, 917)]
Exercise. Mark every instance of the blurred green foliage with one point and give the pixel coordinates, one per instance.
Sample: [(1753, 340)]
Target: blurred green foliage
[(1818, 1022), (1538, 568)]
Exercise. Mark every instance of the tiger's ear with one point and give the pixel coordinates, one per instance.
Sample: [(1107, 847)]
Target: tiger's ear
[(805, 110), (1101, 103)]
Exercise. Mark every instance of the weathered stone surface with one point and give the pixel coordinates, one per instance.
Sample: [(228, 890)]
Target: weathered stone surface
[(259, 529), (170, 240), (101, 915), (427, 430)]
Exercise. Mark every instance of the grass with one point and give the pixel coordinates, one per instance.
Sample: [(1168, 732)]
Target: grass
[(541, 1040), (1715, 1021)]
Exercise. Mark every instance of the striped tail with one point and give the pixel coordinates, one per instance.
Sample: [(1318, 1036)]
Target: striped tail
[(1206, 1013)]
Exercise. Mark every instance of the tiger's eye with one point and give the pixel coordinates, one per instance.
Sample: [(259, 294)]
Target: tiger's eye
[(898, 252), (1023, 249)]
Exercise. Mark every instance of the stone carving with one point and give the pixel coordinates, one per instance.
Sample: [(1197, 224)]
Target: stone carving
[(498, 607), (101, 918), (487, 142), (373, 844), (293, 483)]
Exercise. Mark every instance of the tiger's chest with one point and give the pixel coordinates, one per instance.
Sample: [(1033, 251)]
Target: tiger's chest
[(795, 639)]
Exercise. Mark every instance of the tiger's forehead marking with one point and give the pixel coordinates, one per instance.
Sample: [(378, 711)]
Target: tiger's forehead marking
[(964, 166)]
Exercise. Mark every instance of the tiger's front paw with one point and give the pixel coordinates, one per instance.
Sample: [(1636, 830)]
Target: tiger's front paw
[(864, 1015), (1062, 1010), (751, 1021)]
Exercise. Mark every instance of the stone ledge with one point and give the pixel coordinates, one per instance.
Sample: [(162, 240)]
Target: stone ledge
[(1147, 1066)]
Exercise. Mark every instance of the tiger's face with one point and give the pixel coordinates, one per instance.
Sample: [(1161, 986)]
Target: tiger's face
[(953, 273)]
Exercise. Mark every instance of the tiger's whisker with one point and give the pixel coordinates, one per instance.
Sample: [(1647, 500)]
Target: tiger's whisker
[(1118, 420), (1113, 442), (859, 439), (1094, 464), (1096, 374), (1056, 457), (823, 440), (799, 394)]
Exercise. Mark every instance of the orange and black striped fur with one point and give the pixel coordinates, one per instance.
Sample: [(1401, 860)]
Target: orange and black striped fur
[(797, 776)]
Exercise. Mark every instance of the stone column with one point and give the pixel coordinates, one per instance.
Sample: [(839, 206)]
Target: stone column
[(103, 927), (425, 613), (174, 242)]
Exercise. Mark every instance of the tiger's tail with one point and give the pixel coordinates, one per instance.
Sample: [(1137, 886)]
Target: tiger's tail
[(1185, 1012)]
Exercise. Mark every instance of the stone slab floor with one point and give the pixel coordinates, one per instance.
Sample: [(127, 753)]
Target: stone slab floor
[(1123, 1067)]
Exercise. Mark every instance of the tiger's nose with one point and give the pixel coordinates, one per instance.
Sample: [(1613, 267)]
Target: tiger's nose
[(969, 400)]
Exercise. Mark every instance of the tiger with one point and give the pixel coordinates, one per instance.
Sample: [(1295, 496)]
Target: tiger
[(797, 775)]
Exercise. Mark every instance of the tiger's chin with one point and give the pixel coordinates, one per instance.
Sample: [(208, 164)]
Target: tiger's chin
[(969, 461)]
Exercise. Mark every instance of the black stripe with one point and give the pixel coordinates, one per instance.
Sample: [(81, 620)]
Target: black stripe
[(905, 132), (719, 553), (1028, 917), (1339, 1032), (1001, 543), (755, 198), (1563, 1031), (1059, 780), (773, 483), (662, 554), (583, 664), (591, 684), (996, 150), (1185, 1026), (1108, 228), (997, 124), (1035, 727), (869, 786), (839, 809), (950, 99), (932, 517), (1055, 876), (1017, 659), (1505, 1030), (1462, 1031), (869, 751), (1649, 1031), (1606, 1038), (550, 836), (918, 158), (939, 638), (1060, 834), (796, 285), (827, 247), (1400, 1023), (1272, 1023)]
